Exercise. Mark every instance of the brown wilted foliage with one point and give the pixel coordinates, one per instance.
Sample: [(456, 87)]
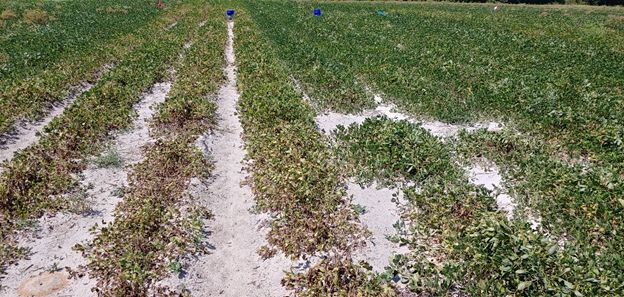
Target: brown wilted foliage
[(37, 16), (117, 9), (114, 9), (615, 22), (338, 276), (7, 14)]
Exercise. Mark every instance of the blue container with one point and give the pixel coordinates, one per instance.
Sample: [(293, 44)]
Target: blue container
[(317, 12), (230, 13)]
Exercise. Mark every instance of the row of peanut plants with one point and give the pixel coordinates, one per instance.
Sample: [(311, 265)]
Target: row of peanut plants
[(64, 30), (36, 179), (155, 204), (294, 175), (579, 203)]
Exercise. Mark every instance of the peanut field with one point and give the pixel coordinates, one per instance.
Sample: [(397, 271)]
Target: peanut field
[(310, 148)]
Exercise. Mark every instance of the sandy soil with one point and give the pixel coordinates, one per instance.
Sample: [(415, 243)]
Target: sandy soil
[(52, 250), (297, 85), (170, 26), (381, 213), (233, 268), (489, 177), (487, 174), (329, 121)]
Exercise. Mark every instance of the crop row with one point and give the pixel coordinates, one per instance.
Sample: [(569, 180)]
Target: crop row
[(154, 205), (293, 176), (548, 73), (71, 29), (47, 60), (36, 179), (318, 64)]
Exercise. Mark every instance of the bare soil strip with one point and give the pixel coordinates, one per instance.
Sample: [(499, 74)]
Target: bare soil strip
[(487, 174), (329, 121), (233, 268), (52, 250), (172, 25)]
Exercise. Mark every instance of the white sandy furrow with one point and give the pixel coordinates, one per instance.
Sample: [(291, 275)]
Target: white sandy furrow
[(489, 177), (329, 121), (170, 26)]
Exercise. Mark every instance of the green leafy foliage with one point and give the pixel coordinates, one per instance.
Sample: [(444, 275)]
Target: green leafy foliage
[(382, 148), (578, 202), (108, 158), (502, 258), (386, 150), (318, 64), (548, 72), (293, 173), (40, 64), (458, 239), (77, 29), (556, 76)]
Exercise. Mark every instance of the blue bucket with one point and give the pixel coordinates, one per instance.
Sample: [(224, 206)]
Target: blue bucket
[(317, 12), (230, 13)]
